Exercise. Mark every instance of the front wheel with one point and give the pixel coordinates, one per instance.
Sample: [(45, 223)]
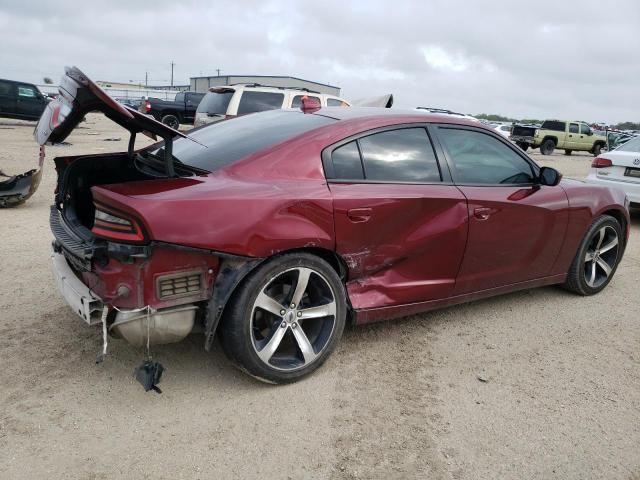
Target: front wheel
[(285, 319), (523, 145), (597, 258)]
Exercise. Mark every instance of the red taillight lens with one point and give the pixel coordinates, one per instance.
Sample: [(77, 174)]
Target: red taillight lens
[(116, 225), (147, 106), (600, 162)]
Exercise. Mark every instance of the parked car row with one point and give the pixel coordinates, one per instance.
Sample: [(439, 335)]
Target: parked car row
[(348, 214)]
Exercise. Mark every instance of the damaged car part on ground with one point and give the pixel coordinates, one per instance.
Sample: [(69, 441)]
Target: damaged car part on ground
[(17, 189), (275, 229)]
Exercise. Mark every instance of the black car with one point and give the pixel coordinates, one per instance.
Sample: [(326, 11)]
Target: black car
[(21, 100)]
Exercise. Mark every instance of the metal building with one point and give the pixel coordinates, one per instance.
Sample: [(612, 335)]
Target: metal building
[(202, 84)]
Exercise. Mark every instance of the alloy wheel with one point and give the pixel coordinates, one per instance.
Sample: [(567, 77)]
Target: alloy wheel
[(293, 319), (601, 256)]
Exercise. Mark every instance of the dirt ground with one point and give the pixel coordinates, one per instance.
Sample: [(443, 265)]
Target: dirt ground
[(403, 399)]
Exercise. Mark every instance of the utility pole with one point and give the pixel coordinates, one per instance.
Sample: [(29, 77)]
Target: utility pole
[(218, 70), (146, 79), (172, 65)]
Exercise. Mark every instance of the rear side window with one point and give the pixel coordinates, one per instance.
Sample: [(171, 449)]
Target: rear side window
[(584, 129), (194, 98), (334, 102), (481, 159), (179, 97), (215, 103), (251, 102), (554, 125), (26, 91), (573, 128), (226, 142), (347, 163), (297, 100), (403, 155)]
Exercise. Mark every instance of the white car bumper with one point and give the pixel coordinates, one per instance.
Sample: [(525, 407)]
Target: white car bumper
[(630, 188)]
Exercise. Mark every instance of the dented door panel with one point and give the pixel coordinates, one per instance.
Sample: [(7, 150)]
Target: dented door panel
[(402, 243)]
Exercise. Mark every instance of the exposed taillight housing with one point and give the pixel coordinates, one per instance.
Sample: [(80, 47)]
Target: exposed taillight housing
[(310, 104), (147, 106), (600, 162), (116, 225)]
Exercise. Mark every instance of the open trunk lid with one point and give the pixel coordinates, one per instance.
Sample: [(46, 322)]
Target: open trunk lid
[(79, 95)]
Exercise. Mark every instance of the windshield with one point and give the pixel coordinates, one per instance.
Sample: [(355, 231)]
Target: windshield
[(215, 103), (632, 145), (232, 140)]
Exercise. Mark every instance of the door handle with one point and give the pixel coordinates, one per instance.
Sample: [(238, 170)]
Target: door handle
[(359, 215), (483, 213)]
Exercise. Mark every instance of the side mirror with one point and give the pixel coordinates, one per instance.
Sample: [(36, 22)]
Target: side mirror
[(549, 176)]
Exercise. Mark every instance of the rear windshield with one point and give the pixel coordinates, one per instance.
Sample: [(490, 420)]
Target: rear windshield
[(232, 140), (632, 145), (554, 125), (215, 103)]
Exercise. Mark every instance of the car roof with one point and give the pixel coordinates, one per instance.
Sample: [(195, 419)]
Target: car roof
[(393, 114)]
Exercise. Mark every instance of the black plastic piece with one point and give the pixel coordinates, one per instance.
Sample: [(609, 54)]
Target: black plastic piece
[(149, 375)]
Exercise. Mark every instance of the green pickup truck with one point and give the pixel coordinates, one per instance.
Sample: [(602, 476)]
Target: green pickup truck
[(568, 136)]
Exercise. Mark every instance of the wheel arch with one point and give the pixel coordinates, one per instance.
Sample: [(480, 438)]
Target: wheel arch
[(550, 137), (622, 220), (235, 270)]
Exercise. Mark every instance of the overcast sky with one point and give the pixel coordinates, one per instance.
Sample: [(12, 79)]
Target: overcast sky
[(540, 59)]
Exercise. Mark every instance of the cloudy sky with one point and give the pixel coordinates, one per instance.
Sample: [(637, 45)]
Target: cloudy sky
[(578, 60)]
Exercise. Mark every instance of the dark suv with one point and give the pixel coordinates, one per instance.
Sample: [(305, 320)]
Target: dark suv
[(21, 100)]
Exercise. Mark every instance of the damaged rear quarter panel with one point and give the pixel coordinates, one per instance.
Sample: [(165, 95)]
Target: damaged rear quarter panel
[(240, 217)]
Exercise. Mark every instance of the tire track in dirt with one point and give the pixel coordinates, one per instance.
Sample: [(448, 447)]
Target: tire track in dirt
[(384, 423)]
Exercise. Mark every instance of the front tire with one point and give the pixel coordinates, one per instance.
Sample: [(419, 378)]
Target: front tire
[(597, 259), (285, 319)]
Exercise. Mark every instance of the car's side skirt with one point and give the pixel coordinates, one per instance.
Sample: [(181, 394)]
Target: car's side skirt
[(371, 315)]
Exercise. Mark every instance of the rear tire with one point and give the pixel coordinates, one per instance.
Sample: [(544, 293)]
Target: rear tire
[(523, 146), (171, 121), (568, 152), (597, 258), (285, 319), (547, 147)]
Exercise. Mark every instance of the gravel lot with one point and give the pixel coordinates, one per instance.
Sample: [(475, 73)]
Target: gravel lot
[(397, 400)]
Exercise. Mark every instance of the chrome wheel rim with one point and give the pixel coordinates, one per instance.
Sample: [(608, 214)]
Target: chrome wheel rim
[(601, 256), (293, 318)]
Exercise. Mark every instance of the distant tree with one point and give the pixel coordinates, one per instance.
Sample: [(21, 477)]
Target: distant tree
[(627, 126)]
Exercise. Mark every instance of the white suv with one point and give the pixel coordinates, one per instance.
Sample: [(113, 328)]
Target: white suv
[(229, 101)]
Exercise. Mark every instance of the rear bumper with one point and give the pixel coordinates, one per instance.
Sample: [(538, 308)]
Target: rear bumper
[(17, 189), (80, 298), (521, 139), (630, 188)]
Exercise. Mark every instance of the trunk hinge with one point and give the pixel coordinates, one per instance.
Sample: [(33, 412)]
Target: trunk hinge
[(132, 145), (168, 157)]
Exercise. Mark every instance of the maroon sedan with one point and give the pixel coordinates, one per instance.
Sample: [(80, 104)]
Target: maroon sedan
[(274, 229)]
